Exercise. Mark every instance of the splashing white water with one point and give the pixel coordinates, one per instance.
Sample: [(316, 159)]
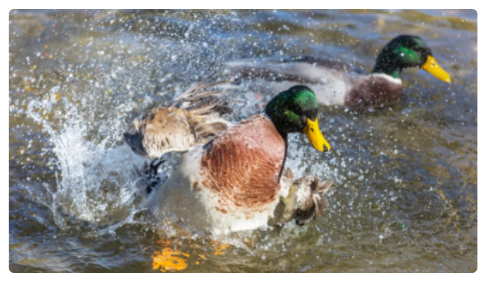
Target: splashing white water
[(95, 181)]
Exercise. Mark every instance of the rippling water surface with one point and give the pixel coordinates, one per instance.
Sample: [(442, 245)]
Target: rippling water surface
[(404, 197)]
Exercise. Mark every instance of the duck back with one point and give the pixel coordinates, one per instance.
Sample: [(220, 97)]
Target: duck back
[(329, 79)]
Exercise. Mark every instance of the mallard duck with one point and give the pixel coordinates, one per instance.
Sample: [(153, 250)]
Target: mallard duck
[(229, 177), (338, 83)]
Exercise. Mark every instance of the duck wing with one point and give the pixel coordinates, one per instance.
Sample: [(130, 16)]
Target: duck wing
[(193, 118), (204, 95)]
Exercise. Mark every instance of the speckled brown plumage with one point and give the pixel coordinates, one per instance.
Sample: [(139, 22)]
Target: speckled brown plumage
[(193, 118), (241, 167)]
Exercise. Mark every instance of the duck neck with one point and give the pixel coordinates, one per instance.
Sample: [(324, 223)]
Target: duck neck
[(388, 70), (285, 137), (387, 64)]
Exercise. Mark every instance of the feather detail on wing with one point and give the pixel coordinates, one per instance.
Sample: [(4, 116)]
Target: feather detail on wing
[(195, 117)]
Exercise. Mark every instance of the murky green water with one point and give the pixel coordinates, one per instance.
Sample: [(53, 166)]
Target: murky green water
[(404, 197)]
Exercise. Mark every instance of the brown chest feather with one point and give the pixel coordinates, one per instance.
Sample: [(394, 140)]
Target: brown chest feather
[(373, 91), (241, 167)]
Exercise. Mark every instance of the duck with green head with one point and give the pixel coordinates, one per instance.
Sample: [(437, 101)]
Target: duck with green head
[(232, 180), (339, 83)]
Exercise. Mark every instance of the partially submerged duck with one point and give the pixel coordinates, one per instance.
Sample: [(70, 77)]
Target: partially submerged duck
[(229, 177), (338, 83)]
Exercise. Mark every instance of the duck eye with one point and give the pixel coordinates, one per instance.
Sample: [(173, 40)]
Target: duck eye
[(303, 119), (298, 110)]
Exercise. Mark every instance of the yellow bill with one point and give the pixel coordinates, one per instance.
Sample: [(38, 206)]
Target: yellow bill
[(315, 136), (432, 67)]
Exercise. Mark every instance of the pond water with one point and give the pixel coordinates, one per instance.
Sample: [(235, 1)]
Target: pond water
[(404, 197)]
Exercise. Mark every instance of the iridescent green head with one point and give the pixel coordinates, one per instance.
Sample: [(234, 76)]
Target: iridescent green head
[(408, 51), (296, 110)]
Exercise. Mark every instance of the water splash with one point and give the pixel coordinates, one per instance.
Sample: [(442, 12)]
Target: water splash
[(95, 181)]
